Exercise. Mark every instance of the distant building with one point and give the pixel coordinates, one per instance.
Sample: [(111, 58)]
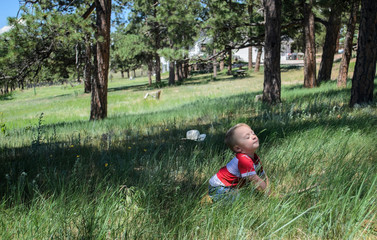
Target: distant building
[(238, 55), (243, 53)]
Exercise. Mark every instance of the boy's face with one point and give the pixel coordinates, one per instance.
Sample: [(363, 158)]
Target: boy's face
[(246, 140)]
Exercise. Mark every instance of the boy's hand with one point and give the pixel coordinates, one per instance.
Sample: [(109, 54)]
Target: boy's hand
[(260, 184)]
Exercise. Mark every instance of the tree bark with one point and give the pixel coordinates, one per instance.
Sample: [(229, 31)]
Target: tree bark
[(328, 52), (229, 50), (158, 68), (214, 63), (347, 53), (258, 59), (186, 69), (171, 73), (99, 87), (222, 65), (250, 55), (122, 73), (157, 45), (175, 72), (88, 66), (250, 49), (272, 79), (180, 71), (309, 60), (150, 70), (365, 68), (78, 62)]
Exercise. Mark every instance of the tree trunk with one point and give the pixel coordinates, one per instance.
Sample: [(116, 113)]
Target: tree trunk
[(229, 61), (88, 65), (214, 64), (186, 64), (309, 60), (250, 55), (99, 87), (258, 59), (150, 70), (186, 69), (171, 73), (157, 45), (337, 42), (176, 72), (77, 51), (250, 49), (180, 71), (272, 79), (222, 65), (122, 73), (128, 74), (332, 32), (365, 68), (158, 68), (134, 73), (347, 53)]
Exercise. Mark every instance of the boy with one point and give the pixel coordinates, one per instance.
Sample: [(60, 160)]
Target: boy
[(244, 167)]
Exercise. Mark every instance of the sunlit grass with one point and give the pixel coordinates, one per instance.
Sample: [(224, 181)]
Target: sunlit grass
[(132, 175)]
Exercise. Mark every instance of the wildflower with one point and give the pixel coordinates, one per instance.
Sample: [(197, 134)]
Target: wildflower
[(71, 146), (167, 129), (339, 117), (78, 156), (145, 150), (129, 147), (106, 164), (51, 155), (133, 143)]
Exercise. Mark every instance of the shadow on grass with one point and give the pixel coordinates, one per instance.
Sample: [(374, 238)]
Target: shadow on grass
[(286, 68), (157, 161), (6, 97), (138, 87), (194, 79)]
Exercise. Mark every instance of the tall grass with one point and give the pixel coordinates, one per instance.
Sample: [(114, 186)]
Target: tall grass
[(132, 176)]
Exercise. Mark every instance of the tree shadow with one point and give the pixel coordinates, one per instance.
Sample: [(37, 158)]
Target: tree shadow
[(137, 87), (6, 97), (157, 161), (287, 68)]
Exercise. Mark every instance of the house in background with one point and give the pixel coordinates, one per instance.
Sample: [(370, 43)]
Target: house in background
[(198, 50), (243, 53)]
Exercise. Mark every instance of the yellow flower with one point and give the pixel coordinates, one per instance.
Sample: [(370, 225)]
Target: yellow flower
[(167, 129), (106, 164), (145, 150), (71, 146), (129, 147), (78, 156)]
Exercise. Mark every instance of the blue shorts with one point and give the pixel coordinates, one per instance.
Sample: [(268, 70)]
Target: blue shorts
[(223, 193)]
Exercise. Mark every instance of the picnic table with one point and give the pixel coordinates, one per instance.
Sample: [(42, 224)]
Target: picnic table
[(239, 73)]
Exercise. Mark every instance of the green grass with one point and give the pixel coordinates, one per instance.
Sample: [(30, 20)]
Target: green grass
[(131, 175)]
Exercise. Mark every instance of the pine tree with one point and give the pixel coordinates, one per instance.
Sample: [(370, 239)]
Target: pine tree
[(365, 68)]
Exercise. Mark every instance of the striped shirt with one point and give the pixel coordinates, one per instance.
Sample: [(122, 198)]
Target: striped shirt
[(241, 166)]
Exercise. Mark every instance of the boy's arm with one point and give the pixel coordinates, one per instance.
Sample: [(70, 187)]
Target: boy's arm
[(260, 184)]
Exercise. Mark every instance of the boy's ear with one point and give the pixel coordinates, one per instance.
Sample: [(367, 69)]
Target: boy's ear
[(237, 149)]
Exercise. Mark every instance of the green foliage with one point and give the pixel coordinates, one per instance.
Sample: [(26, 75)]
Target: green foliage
[(42, 40)]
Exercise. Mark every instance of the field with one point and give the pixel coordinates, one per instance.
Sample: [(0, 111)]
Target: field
[(132, 176)]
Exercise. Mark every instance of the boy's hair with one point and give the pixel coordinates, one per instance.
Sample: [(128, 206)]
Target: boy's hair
[(229, 136)]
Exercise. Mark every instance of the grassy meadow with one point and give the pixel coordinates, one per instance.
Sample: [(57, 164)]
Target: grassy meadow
[(132, 176)]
